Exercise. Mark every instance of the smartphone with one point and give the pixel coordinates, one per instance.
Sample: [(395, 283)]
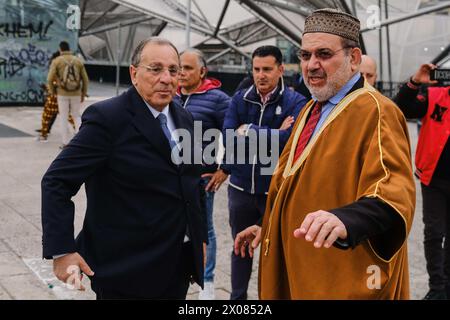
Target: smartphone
[(440, 75)]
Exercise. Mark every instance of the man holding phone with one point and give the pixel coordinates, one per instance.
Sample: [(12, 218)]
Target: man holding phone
[(433, 169)]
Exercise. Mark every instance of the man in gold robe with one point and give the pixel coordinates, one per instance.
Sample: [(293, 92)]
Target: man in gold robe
[(341, 201)]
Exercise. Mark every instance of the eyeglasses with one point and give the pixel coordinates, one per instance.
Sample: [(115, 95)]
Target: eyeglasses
[(321, 54), (156, 70)]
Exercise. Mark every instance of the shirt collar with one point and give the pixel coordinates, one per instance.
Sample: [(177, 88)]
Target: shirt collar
[(267, 97), (155, 112), (344, 90)]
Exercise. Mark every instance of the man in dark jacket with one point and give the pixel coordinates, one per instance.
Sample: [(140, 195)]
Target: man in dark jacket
[(433, 170), (143, 232), (202, 97), (266, 111)]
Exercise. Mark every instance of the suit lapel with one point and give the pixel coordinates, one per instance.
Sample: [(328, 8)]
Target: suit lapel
[(147, 125), (181, 123), (177, 119)]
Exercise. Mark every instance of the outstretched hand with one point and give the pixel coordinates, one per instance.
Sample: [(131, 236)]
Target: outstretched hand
[(321, 228)]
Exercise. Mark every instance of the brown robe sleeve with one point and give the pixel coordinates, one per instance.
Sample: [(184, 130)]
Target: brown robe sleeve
[(366, 219), (386, 174)]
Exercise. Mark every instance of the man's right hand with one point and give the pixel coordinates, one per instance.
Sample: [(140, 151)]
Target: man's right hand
[(67, 269), (287, 123), (251, 235), (422, 75)]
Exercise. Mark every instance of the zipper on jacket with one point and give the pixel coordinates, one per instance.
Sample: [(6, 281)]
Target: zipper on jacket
[(186, 102), (252, 191), (263, 107)]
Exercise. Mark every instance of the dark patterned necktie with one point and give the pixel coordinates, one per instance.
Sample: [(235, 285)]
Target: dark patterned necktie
[(308, 129)]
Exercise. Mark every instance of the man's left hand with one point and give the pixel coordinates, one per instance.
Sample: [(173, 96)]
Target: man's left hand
[(217, 178), (322, 228)]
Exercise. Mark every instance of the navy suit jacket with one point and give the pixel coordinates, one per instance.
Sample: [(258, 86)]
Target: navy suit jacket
[(138, 202)]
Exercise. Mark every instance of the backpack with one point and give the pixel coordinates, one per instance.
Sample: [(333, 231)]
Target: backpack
[(70, 80)]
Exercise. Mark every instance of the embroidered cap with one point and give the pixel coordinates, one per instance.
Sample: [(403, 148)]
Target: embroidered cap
[(335, 22)]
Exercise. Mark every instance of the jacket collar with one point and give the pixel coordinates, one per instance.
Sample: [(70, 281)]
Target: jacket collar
[(207, 84), (358, 85), (252, 94)]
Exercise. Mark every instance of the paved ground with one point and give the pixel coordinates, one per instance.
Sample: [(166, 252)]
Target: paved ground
[(24, 275)]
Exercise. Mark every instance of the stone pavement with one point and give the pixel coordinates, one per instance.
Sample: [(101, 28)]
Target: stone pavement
[(23, 161)]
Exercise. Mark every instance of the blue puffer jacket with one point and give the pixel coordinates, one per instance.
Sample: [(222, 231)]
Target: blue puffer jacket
[(246, 108), (207, 104)]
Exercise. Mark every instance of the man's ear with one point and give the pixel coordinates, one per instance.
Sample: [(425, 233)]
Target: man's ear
[(203, 72), (356, 57), (133, 70)]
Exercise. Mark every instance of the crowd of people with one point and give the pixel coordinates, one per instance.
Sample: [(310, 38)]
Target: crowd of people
[(335, 200)]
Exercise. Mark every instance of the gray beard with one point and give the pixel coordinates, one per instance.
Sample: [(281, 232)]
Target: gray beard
[(334, 83), (324, 93)]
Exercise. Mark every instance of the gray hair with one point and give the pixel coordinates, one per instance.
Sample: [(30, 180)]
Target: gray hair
[(200, 56), (348, 44), (136, 57)]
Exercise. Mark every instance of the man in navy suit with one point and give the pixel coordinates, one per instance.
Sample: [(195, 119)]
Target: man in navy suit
[(144, 231)]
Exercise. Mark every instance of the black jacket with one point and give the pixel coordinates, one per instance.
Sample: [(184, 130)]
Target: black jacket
[(414, 105), (138, 202)]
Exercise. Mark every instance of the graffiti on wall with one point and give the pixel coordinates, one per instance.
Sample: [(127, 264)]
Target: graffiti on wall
[(30, 32)]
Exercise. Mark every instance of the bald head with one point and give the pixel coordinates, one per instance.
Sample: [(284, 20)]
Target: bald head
[(368, 68)]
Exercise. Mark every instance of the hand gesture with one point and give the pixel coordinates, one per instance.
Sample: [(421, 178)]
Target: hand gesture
[(322, 228), (250, 237), (287, 123), (422, 75), (217, 178)]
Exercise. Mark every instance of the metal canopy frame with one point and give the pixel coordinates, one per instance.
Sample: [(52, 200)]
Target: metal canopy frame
[(200, 24), (267, 19), (418, 13)]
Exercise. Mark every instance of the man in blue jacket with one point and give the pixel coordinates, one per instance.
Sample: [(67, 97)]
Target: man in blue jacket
[(265, 111), (202, 97)]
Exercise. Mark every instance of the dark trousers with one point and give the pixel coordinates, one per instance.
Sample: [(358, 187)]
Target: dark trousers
[(436, 218), (176, 290), (245, 210)]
